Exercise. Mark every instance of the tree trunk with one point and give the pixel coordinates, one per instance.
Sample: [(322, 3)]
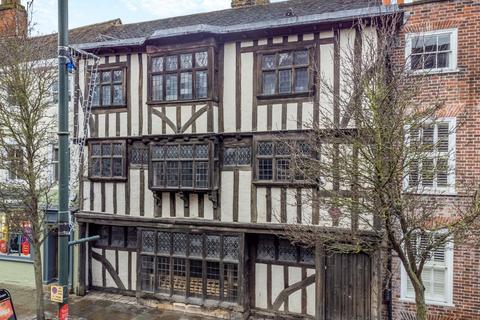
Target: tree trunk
[(37, 266), (421, 306)]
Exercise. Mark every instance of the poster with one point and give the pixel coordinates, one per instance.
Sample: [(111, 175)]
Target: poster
[(7, 312)]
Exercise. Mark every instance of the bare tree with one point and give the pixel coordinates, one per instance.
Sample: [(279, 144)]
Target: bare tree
[(27, 126), (379, 158)]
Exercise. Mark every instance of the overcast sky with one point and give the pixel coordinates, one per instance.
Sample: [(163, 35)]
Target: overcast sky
[(83, 12)]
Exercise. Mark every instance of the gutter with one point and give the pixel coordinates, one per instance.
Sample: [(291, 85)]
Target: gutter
[(240, 28)]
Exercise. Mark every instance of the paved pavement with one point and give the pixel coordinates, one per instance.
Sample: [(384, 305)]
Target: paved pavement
[(94, 306)]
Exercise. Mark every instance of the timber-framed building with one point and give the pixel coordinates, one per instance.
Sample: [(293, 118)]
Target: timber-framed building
[(185, 179)]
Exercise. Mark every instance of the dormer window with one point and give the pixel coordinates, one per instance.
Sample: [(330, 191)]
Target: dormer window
[(180, 77)]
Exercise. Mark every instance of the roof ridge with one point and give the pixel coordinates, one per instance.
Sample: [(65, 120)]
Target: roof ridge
[(112, 22)]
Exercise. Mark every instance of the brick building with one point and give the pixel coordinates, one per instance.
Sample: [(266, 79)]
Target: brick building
[(449, 29)]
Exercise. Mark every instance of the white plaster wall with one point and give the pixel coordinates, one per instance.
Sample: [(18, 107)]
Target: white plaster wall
[(110, 256), (261, 285), (326, 73), (244, 196), (123, 267), (262, 114), (121, 198), (97, 270), (311, 295), (134, 94), (227, 196), (97, 199), (109, 197), (229, 87), (277, 283), (295, 299), (247, 90), (261, 205), (149, 200), (134, 192)]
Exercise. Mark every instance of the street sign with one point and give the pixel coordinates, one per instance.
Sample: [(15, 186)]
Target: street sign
[(7, 312), (56, 293)]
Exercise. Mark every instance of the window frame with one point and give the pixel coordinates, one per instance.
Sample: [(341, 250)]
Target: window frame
[(110, 67), (237, 145), (14, 162), (210, 68), (274, 181), (277, 51), (450, 188), (123, 156), (210, 163), (187, 257), (448, 265), (453, 48)]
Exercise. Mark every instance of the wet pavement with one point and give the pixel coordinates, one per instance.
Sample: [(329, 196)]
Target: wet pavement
[(95, 306)]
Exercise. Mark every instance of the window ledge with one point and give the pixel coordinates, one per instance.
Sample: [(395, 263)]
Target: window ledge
[(432, 72), (284, 183), (285, 95), (181, 189), (429, 302), (16, 259), (100, 109), (189, 101), (432, 192), (107, 179)]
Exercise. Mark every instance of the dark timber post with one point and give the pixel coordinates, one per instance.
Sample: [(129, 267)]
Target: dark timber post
[(64, 157)]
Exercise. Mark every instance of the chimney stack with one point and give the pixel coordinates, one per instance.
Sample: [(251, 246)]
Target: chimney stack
[(13, 18), (248, 3)]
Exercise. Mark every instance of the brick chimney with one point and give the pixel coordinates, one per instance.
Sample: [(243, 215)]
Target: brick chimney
[(248, 3), (13, 18)]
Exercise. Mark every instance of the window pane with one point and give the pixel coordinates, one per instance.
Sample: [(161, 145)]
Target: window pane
[(196, 278), (186, 151), (268, 82), (442, 172), (171, 63), (187, 174), (106, 76), (429, 61), (283, 169), (106, 149), (96, 96), (158, 174), (179, 275), (131, 237), (265, 148), (213, 279), (171, 152), (443, 60), (285, 81), (265, 169), (106, 95), (196, 245), (444, 42), (104, 236), (172, 86), (231, 247), (157, 152), (413, 174), (268, 62), (443, 133), (95, 167), (157, 88), (157, 64), (301, 57), (117, 94), (201, 151), (428, 137), (285, 59), (430, 43), (117, 167), (307, 255), (118, 236), (201, 59), (266, 248), (301, 80), (244, 155), (230, 281), (172, 174), (186, 61), (213, 246), (163, 274), (416, 62), (201, 84), (117, 149), (179, 244), (417, 45), (96, 150), (106, 167), (164, 243), (229, 156), (438, 288), (186, 84), (117, 75), (147, 273), (148, 241), (287, 251), (283, 148), (201, 174)]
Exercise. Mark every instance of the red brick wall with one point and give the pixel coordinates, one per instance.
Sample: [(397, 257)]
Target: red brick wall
[(13, 20), (460, 92)]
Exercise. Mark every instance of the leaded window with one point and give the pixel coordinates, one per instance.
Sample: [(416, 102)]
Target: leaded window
[(285, 73), (107, 159), (110, 89), (186, 262), (274, 160), (139, 154), (180, 77), (115, 237), (180, 166), (274, 249), (237, 156)]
